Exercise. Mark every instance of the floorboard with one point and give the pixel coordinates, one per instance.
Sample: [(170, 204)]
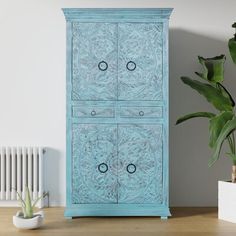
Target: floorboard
[(185, 221)]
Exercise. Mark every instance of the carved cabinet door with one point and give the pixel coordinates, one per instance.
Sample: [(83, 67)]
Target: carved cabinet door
[(94, 160), (94, 61), (140, 61), (140, 163)]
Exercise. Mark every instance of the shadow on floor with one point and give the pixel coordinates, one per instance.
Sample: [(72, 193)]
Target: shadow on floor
[(181, 212)]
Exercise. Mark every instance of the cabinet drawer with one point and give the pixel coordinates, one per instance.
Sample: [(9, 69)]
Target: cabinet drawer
[(93, 112), (141, 112)]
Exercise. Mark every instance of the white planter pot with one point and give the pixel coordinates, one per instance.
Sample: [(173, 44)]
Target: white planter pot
[(32, 223), (227, 201)]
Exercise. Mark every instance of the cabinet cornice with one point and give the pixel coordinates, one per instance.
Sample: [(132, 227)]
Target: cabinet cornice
[(112, 14)]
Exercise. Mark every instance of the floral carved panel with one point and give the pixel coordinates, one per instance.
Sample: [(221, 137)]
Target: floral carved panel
[(94, 160), (140, 61), (140, 163), (94, 57)]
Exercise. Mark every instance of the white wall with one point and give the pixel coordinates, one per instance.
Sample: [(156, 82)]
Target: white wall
[(32, 86)]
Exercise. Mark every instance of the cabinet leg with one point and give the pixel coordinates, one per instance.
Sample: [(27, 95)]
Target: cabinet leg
[(164, 217)]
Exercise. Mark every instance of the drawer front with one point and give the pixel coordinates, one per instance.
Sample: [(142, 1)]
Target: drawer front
[(93, 112), (141, 112)]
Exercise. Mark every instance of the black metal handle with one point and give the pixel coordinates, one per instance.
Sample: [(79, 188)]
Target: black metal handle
[(103, 167), (131, 168), (102, 65), (131, 66), (141, 113), (93, 113)]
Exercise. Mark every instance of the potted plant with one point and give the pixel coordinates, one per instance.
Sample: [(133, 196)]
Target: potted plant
[(27, 219), (222, 123)]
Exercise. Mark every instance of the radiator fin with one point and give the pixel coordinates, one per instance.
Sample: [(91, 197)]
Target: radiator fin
[(21, 167)]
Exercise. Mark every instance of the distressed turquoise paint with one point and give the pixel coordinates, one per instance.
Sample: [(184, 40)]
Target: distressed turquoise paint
[(94, 61), (166, 114), (117, 14), (117, 210), (117, 112), (140, 149), (140, 61), (94, 161), (68, 113)]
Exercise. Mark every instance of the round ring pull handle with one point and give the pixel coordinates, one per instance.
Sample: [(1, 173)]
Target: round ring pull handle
[(131, 168), (93, 113), (141, 113), (131, 66), (102, 65), (103, 168)]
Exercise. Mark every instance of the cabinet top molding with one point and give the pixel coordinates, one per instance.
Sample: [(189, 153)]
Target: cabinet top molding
[(116, 13)]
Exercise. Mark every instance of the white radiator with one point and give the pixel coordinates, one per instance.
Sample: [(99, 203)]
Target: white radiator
[(20, 167)]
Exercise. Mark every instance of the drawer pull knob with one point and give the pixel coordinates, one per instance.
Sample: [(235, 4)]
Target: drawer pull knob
[(103, 168), (93, 113), (131, 66), (141, 113), (131, 168), (102, 65)]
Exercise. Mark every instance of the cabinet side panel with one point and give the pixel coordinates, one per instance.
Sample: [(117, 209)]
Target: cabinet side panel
[(68, 112), (166, 112)]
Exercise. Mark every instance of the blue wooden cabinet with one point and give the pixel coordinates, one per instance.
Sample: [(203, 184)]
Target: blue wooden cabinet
[(117, 112)]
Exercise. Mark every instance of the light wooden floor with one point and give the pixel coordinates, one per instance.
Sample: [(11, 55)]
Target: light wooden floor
[(185, 221)]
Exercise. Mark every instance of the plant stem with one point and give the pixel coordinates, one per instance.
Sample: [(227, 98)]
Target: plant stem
[(230, 144), (233, 177), (233, 142)]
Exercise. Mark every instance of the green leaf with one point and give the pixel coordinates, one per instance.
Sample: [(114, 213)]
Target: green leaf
[(232, 49), (213, 68), (226, 93), (212, 94), (195, 115), (228, 128), (216, 125), (39, 198), (201, 75), (28, 205)]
